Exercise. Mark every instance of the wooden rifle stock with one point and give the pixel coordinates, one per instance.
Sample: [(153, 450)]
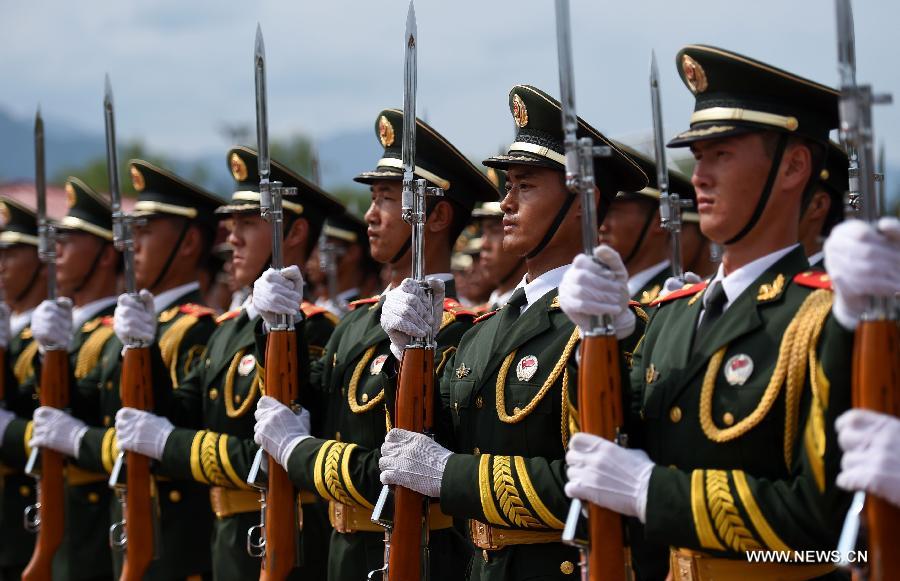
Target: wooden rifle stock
[(54, 393), (137, 392), (876, 386), (2, 376), (281, 497), (414, 413), (600, 411)]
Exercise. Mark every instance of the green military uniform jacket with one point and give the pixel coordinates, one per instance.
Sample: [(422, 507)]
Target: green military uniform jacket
[(16, 488), (351, 418), (185, 518), (214, 445), (741, 426), (85, 552)]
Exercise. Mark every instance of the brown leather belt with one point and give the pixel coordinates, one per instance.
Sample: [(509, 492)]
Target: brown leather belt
[(687, 565), (76, 476), (490, 538), (227, 502), (346, 518)]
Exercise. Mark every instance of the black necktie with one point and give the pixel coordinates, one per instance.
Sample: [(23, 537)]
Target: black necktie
[(513, 307), (715, 306)]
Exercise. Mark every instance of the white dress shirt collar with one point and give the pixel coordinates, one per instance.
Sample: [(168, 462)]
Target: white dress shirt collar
[(738, 280), (640, 279), (84, 313), (19, 321), (542, 284), (165, 299)]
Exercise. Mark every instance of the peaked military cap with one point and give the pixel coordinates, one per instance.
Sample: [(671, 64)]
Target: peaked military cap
[(162, 193), (539, 141), (736, 94), (488, 210), (311, 201), (835, 180), (346, 227), (18, 223), (437, 161), (678, 183), (88, 211)]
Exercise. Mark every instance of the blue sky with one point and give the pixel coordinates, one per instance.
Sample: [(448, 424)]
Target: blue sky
[(183, 69)]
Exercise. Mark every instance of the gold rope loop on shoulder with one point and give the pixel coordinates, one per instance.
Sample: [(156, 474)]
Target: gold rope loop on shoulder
[(91, 350), (554, 375), (229, 388), (171, 339), (355, 406)]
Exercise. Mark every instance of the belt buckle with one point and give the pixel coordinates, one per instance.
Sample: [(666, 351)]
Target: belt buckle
[(218, 501), (340, 518), (482, 535), (685, 567)]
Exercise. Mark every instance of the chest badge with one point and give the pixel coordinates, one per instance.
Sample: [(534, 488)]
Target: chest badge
[(247, 364), (738, 369), (526, 367), (377, 364), (651, 375), (462, 371)]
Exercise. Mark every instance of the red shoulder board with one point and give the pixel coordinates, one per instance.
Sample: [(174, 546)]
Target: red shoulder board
[(196, 310), (634, 304), (310, 309), (486, 316), (685, 292), (107, 321), (814, 279), (368, 301), (228, 315), (453, 306)]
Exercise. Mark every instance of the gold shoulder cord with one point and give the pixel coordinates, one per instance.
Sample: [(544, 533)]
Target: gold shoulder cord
[(229, 389), (797, 346), (554, 375), (90, 351), (171, 341), (355, 407)]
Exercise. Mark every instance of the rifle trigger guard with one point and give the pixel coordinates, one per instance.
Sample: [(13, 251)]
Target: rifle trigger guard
[(32, 517)]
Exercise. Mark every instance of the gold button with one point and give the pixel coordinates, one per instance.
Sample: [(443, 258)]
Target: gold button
[(174, 496), (517, 410), (109, 385), (365, 397), (107, 421), (476, 451), (237, 398), (93, 498), (567, 567), (213, 394), (25, 490), (728, 419), (675, 414), (337, 436), (479, 402)]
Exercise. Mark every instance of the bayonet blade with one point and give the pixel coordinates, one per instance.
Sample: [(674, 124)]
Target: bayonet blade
[(662, 170), (567, 87), (112, 163), (846, 43), (40, 184), (262, 116), (408, 151)]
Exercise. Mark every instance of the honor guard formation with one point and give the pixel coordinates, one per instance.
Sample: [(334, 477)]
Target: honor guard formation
[(584, 363)]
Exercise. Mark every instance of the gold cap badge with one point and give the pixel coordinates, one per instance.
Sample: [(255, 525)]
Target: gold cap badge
[(520, 113), (70, 194), (137, 179), (238, 167), (4, 215), (385, 131), (694, 75)]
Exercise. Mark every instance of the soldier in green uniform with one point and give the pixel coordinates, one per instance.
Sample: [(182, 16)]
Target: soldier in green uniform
[(507, 389), (24, 286), (87, 268), (632, 227), (504, 269), (738, 380), (349, 423), (213, 407), (172, 239), (826, 208)]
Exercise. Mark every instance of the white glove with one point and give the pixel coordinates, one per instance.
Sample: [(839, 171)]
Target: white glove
[(51, 323), (862, 262), (278, 293), (142, 432), (871, 460), (591, 289), (6, 417), (5, 331), (406, 313), (278, 429), (608, 475), (413, 461), (673, 284), (135, 319), (57, 430)]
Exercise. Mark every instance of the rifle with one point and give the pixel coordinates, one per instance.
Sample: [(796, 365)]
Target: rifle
[(277, 531), (670, 204), (328, 257), (135, 534), (47, 517), (599, 389), (407, 535), (876, 349)]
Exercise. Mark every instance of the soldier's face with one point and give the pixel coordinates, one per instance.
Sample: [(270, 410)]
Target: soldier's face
[(534, 195), (729, 177), (251, 237), (153, 244), (624, 222), (495, 263), (17, 265), (387, 231), (76, 254)]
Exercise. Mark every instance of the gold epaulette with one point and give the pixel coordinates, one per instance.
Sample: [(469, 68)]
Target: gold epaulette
[(99, 332), (648, 296), (311, 310), (454, 310), (687, 291), (486, 316), (360, 302)]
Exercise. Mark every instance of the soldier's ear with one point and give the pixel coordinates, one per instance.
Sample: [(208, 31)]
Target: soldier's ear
[(441, 217), (297, 234)]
